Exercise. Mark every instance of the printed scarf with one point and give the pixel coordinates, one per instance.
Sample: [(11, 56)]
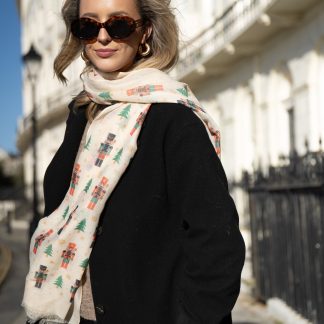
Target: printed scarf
[(61, 245)]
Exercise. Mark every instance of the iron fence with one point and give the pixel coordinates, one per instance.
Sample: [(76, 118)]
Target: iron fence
[(287, 224)]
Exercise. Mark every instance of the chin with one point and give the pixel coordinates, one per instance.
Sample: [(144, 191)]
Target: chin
[(106, 66), (106, 69)]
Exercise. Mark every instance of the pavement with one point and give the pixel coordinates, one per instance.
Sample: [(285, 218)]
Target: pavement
[(246, 310), (5, 261), (11, 288)]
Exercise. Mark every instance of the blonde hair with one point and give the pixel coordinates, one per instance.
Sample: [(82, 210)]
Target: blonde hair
[(163, 41)]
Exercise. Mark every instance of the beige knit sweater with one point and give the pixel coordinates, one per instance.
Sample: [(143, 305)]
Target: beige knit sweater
[(87, 306)]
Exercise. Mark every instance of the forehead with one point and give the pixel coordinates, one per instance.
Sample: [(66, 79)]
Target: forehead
[(106, 8)]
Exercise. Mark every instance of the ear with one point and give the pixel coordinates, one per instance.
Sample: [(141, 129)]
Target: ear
[(147, 33)]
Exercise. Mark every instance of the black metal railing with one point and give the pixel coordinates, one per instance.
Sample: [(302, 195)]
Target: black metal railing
[(287, 227)]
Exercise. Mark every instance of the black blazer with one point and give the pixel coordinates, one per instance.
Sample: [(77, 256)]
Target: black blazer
[(168, 247)]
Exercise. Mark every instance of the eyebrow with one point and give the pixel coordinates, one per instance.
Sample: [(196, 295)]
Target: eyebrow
[(94, 15)]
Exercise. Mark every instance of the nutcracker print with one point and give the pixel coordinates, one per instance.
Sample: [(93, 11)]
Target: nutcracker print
[(105, 149), (190, 103), (139, 121), (68, 255), (74, 289), (144, 90), (40, 276), (68, 221), (40, 239), (217, 138), (75, 178), (98, 193)]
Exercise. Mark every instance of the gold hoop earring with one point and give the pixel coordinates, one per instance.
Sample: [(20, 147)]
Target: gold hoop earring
[(84, 56), (146, 52)]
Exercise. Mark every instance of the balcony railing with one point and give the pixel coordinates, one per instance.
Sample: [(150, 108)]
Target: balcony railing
[(224, 30)]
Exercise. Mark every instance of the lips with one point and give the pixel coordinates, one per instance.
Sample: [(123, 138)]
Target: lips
[(104, 53)]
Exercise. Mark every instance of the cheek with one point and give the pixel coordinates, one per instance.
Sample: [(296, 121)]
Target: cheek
[(88, 47), (86, 51), (126, 56), (130, 49)]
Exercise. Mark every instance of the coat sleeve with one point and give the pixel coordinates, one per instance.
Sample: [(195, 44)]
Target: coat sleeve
[(212, 243)]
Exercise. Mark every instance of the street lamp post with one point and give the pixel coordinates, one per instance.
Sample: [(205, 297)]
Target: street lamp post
[(32, 61)]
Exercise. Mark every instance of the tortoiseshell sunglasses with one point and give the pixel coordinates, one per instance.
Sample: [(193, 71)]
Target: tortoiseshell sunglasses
[(118, 27)]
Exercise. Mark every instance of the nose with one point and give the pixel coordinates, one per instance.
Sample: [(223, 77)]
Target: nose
[(103, 36)]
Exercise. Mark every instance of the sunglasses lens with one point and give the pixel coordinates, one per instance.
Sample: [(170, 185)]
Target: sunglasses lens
[(84, 29), (120, 27)]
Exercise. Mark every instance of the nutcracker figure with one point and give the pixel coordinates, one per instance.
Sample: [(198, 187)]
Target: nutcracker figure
[(75, 178), (105, 149), (40, 276), (74, 289), (40, 239), (144, 90), (139, 121), (98, 193), (68, 255), (217, 138)]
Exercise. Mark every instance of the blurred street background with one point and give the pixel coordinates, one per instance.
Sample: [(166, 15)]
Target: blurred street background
[(257, 66)]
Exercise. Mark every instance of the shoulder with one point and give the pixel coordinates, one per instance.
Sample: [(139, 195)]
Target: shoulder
[(178, 125), (172, 114), (76, 110), (76, 114)]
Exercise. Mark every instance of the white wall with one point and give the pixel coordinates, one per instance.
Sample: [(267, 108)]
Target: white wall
[(254, 97)]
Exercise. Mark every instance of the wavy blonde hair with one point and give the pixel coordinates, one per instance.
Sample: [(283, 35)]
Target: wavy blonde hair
[(164, 43)]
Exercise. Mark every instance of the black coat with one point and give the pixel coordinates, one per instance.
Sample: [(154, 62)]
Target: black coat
[(168, 248)]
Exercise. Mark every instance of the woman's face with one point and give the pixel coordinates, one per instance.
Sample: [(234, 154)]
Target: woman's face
[(105, 53)]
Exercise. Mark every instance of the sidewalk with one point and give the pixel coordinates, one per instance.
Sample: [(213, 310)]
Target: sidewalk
[(5, 261), (11, 288), (249, 311)]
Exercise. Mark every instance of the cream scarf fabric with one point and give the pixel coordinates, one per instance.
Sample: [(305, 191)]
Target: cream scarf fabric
[(62, 243)]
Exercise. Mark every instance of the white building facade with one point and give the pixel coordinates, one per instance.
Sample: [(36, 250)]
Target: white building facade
[(43, 27), (257, 66)]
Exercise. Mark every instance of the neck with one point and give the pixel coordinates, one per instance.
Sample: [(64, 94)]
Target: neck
[(111, 75)]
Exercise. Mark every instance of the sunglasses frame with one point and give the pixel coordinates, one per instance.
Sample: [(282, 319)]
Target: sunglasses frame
[(132, 23)]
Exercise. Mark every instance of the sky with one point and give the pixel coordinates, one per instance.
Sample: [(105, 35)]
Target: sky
[(10, 75)]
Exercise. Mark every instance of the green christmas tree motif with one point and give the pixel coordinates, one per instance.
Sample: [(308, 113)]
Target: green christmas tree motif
[(183, 91), (87, 145), (87, 187), (59, 282), (125, 112), (81, 226), (105, 95), (84, 263), (66, 211), (49, 250), (118, 155)]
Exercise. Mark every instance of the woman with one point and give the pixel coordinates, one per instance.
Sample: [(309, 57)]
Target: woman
[(144, 232)]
